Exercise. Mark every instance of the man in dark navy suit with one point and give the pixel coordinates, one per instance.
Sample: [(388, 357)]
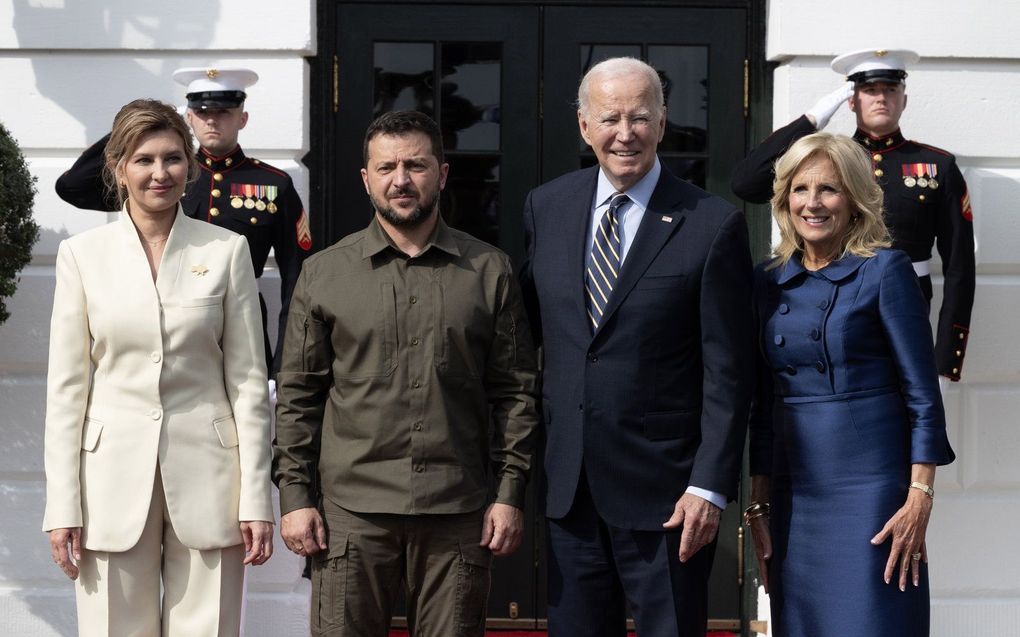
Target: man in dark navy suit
[(639, 285)]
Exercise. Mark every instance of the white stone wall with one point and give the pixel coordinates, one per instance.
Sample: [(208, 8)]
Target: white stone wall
[(962, 97), (67, 67)]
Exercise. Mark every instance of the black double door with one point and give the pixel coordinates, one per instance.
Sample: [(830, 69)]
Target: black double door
[(501, 80)]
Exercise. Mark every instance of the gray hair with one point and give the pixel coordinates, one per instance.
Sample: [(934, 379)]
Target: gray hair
[(619, 67)]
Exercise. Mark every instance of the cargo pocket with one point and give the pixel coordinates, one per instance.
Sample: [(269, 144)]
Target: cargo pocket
[(473, 567), (329, 588)]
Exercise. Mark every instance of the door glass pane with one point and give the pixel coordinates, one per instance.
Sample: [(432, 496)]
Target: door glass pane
[(404, 77), (592, 54), (469, 102), (470, 201), (684, 73)]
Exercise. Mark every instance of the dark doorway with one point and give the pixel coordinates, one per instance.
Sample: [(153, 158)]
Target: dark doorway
[(502, 79)]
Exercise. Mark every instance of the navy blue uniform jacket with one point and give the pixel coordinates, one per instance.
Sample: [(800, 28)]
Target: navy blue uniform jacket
[(657, 398)]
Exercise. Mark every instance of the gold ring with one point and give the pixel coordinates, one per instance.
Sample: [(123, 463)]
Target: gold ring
[(916, 557)]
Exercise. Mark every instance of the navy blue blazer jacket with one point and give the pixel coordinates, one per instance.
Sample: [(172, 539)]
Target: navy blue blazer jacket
[(658, 397)]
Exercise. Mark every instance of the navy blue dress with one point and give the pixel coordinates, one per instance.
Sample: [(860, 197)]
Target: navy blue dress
[(848, 399)]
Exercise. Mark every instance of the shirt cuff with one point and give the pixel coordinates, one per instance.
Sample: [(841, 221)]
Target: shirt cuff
[(717, 499), (510, 490)]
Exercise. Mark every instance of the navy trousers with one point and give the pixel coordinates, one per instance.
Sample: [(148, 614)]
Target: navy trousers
[(596, 571)]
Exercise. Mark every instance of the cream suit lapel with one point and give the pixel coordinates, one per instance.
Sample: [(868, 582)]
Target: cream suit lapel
[(173, 256)]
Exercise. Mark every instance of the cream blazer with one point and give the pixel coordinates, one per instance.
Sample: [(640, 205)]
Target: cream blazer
[(168, 376)]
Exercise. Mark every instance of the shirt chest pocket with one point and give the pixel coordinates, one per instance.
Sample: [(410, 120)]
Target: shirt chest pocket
[(365, 338), (464, 325)]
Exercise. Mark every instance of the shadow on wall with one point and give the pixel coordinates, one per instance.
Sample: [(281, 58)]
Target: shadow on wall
[(89, 59), (141, 37)]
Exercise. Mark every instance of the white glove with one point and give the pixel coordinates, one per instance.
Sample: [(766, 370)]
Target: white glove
[(826, 107)]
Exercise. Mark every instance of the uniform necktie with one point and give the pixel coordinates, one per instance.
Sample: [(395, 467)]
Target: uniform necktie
[(604, 264)]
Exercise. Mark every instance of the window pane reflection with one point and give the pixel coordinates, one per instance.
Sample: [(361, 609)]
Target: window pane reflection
[(404, 77), (592, 54), (470, 201), (684, 73), (469, 102)]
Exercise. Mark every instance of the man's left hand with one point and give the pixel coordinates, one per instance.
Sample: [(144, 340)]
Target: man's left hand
[(501, 529), (700, 520)]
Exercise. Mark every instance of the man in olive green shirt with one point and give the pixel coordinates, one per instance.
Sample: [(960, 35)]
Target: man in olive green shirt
[(401, 340)]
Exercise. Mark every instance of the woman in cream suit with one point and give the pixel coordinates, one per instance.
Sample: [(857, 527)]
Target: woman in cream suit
[(157, 414)]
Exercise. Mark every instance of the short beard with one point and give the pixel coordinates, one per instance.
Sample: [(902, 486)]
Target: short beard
[(417, 217)]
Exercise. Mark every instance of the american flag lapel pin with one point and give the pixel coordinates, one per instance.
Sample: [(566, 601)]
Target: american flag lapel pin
[(666, 218)]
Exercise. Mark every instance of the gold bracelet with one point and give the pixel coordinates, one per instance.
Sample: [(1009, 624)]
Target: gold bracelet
[(925, 488), (756, 510)]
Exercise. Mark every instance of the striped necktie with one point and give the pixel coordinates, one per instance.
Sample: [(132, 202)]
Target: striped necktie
[(604, 264)]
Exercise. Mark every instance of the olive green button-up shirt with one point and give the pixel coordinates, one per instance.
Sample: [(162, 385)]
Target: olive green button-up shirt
[(408, 385)]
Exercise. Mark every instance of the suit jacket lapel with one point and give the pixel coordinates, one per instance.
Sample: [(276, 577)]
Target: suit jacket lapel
[(578, 213), (663, 218), (170, 266)]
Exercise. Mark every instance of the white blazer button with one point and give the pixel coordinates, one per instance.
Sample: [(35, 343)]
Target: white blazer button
[(155, 356), (156, 413)]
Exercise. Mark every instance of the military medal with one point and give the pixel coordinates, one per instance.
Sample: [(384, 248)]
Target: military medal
[(922, 182), (933, 170), (259, 194), (249, 192), (933, 183), (271, 194), (235, 197), (909, 181)]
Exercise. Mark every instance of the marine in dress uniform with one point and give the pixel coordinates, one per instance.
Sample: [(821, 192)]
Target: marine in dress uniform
[(233, 190), (926, 199)]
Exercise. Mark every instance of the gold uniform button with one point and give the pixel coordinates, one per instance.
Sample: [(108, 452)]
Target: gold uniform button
[(208, 162), (959, 353), (878, 172), (876, 157), (921, 197), (961, 336), (216, 192), (228, 161), (956, 370), (217, 177), (255, 161), (889, 142), (254, 220), (214, 212)]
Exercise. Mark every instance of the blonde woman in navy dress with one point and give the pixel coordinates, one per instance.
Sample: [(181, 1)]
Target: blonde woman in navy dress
[(848, 425)]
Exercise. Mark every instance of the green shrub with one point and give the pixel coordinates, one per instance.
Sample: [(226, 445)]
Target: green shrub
[(18, 232)]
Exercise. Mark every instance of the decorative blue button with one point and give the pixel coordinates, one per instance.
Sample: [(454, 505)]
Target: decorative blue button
[(820, 366), (783, 308), (791, 370), (815, 334), (824, 304), (778, 340)]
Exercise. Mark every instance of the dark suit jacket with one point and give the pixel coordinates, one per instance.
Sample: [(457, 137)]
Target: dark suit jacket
[(658, 397)]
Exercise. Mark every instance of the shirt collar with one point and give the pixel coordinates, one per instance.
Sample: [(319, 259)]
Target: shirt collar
[(834, 272), (640, 193), (376, 240)]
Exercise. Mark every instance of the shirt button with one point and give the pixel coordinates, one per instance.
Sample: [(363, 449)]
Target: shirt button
[(791, 370), (824, 305), (820, 366), (215, 192), (217, 177), (155, 414), (413, 300), (779, 340), (417, 426), (815, 334), (419, 468), (593, 358), (415, 341), (416, 384), (155, 356), (783, 308)]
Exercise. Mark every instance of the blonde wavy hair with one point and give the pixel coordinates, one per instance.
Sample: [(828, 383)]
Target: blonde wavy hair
[(866, 231)]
